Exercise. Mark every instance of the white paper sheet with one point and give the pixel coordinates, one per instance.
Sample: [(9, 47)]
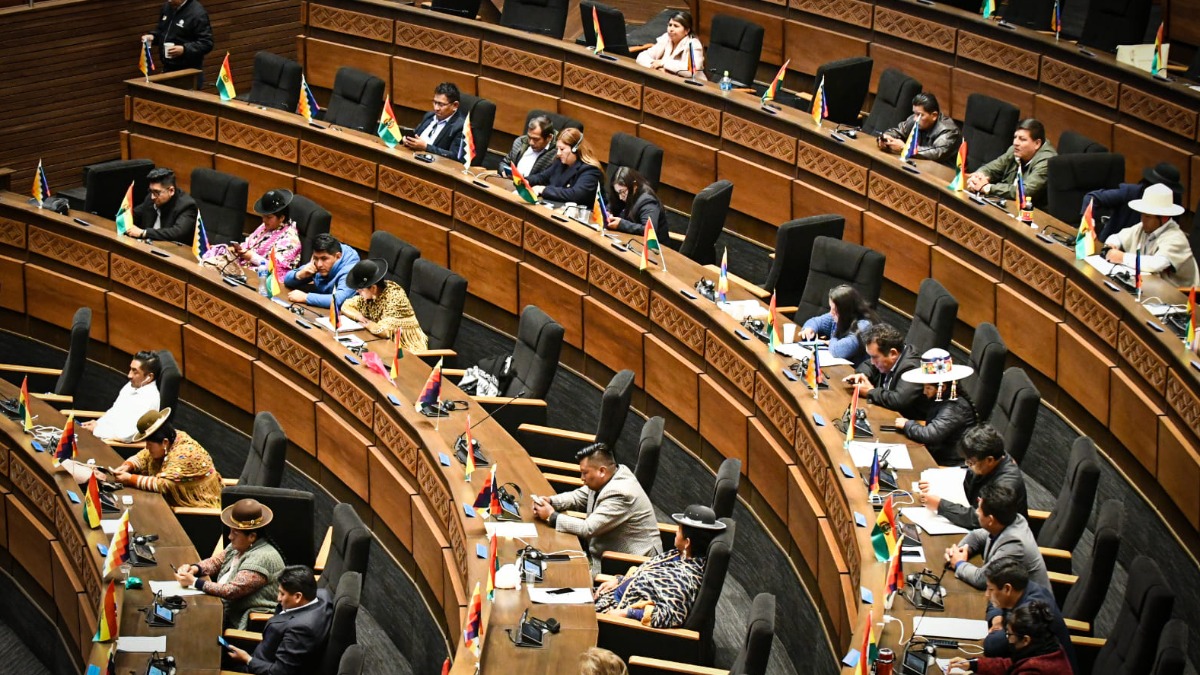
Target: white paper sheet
[(577, 596), (825, 359), (794, 350), (947, 483), (740, 309), (950, 627), (863, 453), (350, 341), (142, 645), (931, 522), (1104, 267), (110, 526), (344, 325), (512, 530), (168, 588)]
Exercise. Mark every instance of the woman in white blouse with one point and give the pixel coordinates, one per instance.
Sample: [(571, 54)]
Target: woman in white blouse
[(674, 48)]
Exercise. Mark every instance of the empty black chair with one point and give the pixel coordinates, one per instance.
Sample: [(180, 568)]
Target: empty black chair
[(649, 450), (544, 17), (467, 9), (349, 549), (1193, 69), (893, 101), (562, 444), (560, 121), (988, 128), (399, 254), (104, 186), (793, 250), (835, 262), (1033, 14), (268, 453), (292, 529), (342, 631), (356, 101), (988, 354), (933, 319), (1171, 658), (311, 220), (751, 657), (1075, 143), (354, 657), (1066, 522), (709, 209), (725, 487), (1070, 177), (1015, 412), (734, 46), (535, 356), (1115, 22), (438, 297), (1084, 598), (276, 82), (483, 118), (169, 379), (612, 27), (74, 363), (1144, 612), (635, 153), (846, 84), (221, 198)]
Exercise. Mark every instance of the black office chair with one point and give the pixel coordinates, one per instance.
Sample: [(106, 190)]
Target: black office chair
[(893, 101), (751, 657), (1144, 612), (104, 186), (292, 529), (544, 17), (1075, 143), (988, 128), (276, 82), (349, 548), (988, 354), (1115, 22), (1033, 14), (343, 633), (311, 220), (635, 153), (846, 84), (1015, 413), (560, 121), (793, 250), (438, 297), (933, 318), (354, 658), (467, 9), (734, 46), (724, 498), (221, 198), (1059, 530), (1070, 177), (534, 365), (483, 118), (1171, 657), (399, 255), (560, 445), (709, 209), (835, 262), (612, 27), (356, 101), (72, 369), (1082, 598), (649, 450), (267, 457), (169, 379), (1193, 69)]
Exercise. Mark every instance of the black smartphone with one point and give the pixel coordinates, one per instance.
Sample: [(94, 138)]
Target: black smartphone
[(221, 641), (353, 361), (424, 157), (560, 591)]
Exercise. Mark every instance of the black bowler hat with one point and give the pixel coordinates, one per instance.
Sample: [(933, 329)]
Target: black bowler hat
[(272, 202), (366, 273), (699, 517), (1167, 174)]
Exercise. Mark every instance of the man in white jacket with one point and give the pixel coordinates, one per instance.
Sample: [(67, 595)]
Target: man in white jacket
[(137, 397)]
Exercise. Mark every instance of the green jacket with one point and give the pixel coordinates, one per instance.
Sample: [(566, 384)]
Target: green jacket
[(1002, 172)]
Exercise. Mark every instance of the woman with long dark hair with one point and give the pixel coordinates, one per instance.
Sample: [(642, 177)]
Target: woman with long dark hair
[(848, 315), (636, 204), (1036, 650), (677, 51)]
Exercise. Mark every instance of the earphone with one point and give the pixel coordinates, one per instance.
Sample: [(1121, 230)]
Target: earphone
[(575, 148)]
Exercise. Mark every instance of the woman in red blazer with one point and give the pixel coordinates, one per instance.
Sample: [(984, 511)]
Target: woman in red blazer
[(1036, 650)]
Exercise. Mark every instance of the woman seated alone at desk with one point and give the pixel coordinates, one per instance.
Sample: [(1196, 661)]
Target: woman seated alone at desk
[(173, 464), (949, 414), (676, 51), (381, 306), (848, 315), (636, 204), (574, 177), (276, 232), (661, 591)]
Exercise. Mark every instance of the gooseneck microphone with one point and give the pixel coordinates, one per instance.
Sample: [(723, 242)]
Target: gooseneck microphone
[(460, 443)]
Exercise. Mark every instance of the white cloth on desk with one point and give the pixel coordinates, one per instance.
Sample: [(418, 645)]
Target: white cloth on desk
[(119, 423)]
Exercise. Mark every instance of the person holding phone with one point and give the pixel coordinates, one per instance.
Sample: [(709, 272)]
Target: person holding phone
[(441, 129), (277, 233), (296, 635)]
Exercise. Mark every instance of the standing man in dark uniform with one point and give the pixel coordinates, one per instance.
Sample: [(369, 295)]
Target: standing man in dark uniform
[(183, 37)]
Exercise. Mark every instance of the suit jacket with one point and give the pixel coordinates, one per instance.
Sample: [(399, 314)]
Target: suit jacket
[(940, 143), (997, 644), (178, 218), (544, 161), (1015, 541), (645, 205), (1006, 473), (293, 641), (576, 183), (449, 141), (893, 393), (619, 518)]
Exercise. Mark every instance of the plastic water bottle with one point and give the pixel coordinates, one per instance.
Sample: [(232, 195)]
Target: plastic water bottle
[(263, 273), (726, 84)]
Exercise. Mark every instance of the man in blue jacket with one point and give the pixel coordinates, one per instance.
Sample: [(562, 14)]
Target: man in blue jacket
[(323, 279), (1009, 587)]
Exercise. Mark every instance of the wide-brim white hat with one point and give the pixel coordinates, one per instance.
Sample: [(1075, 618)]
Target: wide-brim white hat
[(1157, 200), (936, 367)]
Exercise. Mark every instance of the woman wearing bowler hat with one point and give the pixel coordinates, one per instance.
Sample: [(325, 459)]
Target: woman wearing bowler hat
[(382, 306), (173, 464), (276, 232), (661, 591), (245, 575)]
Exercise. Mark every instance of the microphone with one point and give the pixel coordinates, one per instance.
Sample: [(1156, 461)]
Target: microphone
[(460, 443)]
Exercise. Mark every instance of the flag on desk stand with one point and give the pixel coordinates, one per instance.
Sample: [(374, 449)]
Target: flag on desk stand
[(200, 239), (852, 420), (599, 36), (396, 356), (599, 216), (468, 145), (146, 60), (307, 105), (650, 243), (469, 465), (91, 503), (691, 59), (389, 128), (820, 108), (989, 8), (124, 216), (772, 327), (776, 84), (1191, 310), (895, 575), (812, 374), (41, 187), (493, 565), (225, 81), (524, 191), (870, 650), (274, 288), (473, 629), (431, 393), (335, 315), (723, 279), (873, 479), (108, 629), (1085, 239), (118, 550), (483, 500), (1137, 271), (960, 177), (1019, 184), (1157, 64), (23, 406), (910, 145), (883, 536), (66, 442), (1056, 19)]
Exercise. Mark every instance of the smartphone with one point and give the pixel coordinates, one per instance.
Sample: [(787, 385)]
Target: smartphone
[(560, 591), (353, 361), (222, 641), (393, 399)]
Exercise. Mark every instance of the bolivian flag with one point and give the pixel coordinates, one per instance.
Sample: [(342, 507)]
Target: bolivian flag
[(225, 81), (389, 129)]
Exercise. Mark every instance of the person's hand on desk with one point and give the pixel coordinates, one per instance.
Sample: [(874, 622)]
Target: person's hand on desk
[(657, 64), (623, 613), (89, 425), (1115, 255), (537, 190), (238, 654), (960, 664), (859, 380), (890, 144), (122, 476), (807, 334), (607, 586), (135, 232), (541, 508), (928, 499), (977, 182), (957, 554), (186, 576), (612, 223), (415, 143)]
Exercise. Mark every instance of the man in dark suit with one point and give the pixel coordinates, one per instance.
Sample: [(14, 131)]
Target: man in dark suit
[(1009, 587), (295, 637), (168, 214), (440, 130), (878, 378), (1003, 533), (982, 449)]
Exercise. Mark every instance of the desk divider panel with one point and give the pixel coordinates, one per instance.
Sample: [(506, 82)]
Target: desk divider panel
[(560, 300), (179, 157), (343, 451), (432, 239), (1179, 469), (221, 368), (612, 339), (322, 59), (672, 380), (54, 297), (1083, 372), (293, 407), (1133, 419)]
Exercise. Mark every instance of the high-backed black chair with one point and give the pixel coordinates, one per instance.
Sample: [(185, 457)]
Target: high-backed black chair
[(1033, 14), (276, 82), (751, 657), (933, 318), (342, 631), (349, 548), (724, 498), (1082, 597), (399, 254), (311, 220), (356, 101), (988, 354), (1144, 612), (467, 9), (1075, 143), (635, 153), (292, 528), (793, 251), (649, 451), (438, 297), (74, 363), (1058, 531), (893, 101), (1171, 657), (612, 27), (560, 445), (560, 121), (734, 46), (169, 380), (483, 118), (835, 262), (544, 17), (1070, 177), (1115, 22), (1193, 69), (988, 128), (221, 198), (1015, 412), (354, 658), (709, 209), (267, 458), (104, 186), (846, 84)]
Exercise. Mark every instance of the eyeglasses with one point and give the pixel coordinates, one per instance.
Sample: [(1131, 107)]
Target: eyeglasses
[(441, 104), (160, 191)]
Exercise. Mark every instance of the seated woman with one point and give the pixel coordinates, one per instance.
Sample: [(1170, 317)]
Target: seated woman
[(245, 575), (948, 418), (673, 49), (382, 307), (637, 204), (574, 177), (1036, 650), (172, 464), (661, 591), (275, 232), (848, 316)]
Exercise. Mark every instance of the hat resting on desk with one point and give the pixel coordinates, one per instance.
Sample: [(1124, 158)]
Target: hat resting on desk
[(1157, 200)]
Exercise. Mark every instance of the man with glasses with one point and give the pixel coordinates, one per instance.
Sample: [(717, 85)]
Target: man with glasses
[(441, 130), (1009, 587), (529, 152), (982, 449), (168, 214)]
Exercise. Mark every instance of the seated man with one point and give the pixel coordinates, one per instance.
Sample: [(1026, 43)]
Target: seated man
[(1115, 201), (938, 136), (295, 637), (879, 377), (619, 515), (950, 412), (1163, 247), (138, 397), (982, 449), (534, 151), (1032, 151), (168, 214), (1008, 587), (1003, 533), (324, 276), (440, 130)]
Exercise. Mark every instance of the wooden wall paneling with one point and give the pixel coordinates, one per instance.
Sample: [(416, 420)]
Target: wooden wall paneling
[(618, 92), (437, 199), (12, 284), (323, 58), (804, 513), (1134, 419), (933, 33), (907, 251), (391, 496), (343, 450), (560, 300), (772, 50), (29, 542), (440, 43), (454, 600), (490, 273), (181, 158), (672, 380), (688, 165), (934, 75), (352, 215), (964, 83), (356, 24), (1142, 150), (294, 407), (1030, 332), (600, 125), (612, 339), (764, 194), (87, 626), (1179, 469), (233, 381), (260, 178), (974, 289), (1180, 120), (428, 542), (767, 466), (831, 568), (723, 420), (513, 103), (413, 82), (1083, 371), (432, 239), (1059, 116), (809, 200), (808, 46), (132, 327), (67, 589), (54, 298)]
